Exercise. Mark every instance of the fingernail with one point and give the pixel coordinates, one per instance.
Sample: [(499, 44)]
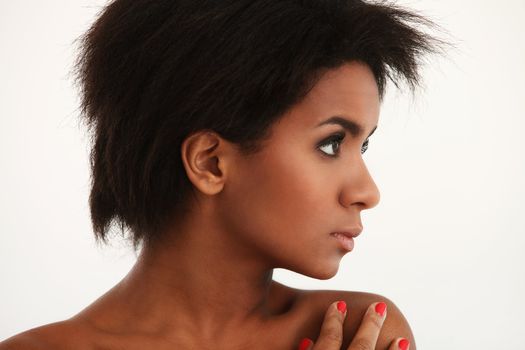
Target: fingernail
[(305, 343), (403, 344), (341, 306), (380, 308)]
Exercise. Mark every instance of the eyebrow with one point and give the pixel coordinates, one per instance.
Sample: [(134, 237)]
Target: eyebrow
[(352, 127)]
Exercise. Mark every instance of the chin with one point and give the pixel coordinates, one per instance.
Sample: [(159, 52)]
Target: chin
[(320, 271), (326, 274)]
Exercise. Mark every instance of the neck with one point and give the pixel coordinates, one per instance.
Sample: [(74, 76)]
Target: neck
[(201, 284), (204, 283)]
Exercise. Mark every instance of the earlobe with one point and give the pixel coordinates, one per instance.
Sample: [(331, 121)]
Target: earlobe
[(203, 158)]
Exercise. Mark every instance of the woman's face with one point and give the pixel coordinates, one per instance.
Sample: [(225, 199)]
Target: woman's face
[(288, 199)]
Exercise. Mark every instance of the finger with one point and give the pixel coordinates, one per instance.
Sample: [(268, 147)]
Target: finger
[(331, 335), (400, 344), (367, 334), (306, 344)]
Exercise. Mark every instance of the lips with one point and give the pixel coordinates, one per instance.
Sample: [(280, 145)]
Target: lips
[(349, 232), (345, 241)]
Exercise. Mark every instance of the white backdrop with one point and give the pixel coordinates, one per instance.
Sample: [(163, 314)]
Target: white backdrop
[(445, 243)]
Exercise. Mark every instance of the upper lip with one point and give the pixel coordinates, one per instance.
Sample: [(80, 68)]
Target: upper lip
[(350, 232)]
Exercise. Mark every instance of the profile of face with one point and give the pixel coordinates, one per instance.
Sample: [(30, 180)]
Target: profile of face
[(309, 181)]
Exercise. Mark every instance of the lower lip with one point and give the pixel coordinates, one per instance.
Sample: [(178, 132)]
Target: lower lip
[(346, 242)]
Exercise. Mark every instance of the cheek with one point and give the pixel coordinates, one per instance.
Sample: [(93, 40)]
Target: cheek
[(283, 202)]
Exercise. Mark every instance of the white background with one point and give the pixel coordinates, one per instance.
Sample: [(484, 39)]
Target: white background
[(445, 243)]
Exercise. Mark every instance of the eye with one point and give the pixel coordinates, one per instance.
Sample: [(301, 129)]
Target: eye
[(364, 147), (335, 140), (331, 141)]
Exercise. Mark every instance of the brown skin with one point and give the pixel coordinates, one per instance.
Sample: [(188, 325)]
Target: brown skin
[(208, 283), (303, 320)]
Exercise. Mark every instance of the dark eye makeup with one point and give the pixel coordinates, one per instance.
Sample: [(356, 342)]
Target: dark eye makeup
[(336, 139)]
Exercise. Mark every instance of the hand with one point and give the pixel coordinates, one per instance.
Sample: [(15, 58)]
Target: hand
[(331, 336)]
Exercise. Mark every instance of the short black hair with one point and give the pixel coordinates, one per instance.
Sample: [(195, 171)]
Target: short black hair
[(151, 72)]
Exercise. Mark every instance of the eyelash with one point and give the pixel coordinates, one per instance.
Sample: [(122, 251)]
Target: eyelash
[(336, 139)]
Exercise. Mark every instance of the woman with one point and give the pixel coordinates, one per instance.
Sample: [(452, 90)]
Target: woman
[(228, 141)]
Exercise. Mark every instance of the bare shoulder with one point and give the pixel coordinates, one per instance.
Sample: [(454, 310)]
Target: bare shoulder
[(394, 326), (67, 334)]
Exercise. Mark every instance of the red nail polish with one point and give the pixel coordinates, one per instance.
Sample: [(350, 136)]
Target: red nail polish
[(341, 306), (305, 343), (380, 308), (403, 344)]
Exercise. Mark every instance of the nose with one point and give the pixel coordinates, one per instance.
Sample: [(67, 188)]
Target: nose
[(360, 189)]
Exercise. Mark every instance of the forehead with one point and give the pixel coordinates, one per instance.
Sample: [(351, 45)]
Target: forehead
[(349, 91)]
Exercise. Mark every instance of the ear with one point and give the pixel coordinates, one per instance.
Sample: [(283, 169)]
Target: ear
[(206, 157)]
